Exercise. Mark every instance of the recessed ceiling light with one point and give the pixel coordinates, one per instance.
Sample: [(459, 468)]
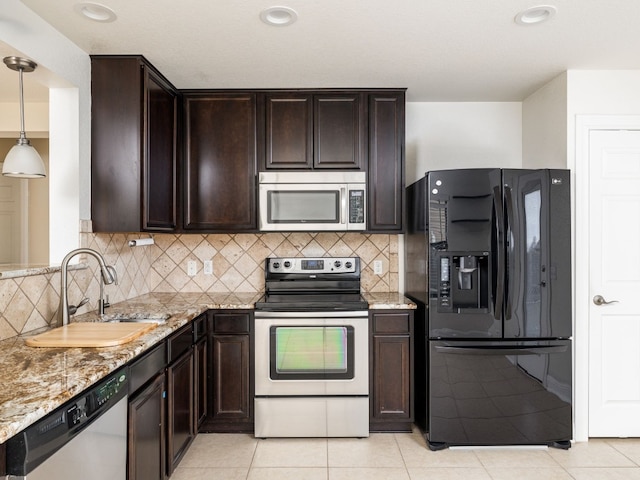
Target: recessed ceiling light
[(95, 12), (535, 15), (278, 16)]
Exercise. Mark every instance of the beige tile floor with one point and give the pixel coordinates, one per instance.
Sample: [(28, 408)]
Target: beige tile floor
[(400, 457)]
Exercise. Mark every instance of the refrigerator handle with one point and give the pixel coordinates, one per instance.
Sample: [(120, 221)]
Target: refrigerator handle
[(507, 223), (499, 253), (471, 350)]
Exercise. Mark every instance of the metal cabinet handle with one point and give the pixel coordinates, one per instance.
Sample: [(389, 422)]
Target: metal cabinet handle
[(599, 300)]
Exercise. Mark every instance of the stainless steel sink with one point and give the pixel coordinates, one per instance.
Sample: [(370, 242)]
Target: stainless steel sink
[(136, 318)]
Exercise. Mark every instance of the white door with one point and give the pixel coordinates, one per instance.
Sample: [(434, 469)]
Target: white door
[(614, 276), (11, 247)]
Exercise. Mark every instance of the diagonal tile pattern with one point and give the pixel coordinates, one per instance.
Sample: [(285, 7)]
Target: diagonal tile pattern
[(31, 302)]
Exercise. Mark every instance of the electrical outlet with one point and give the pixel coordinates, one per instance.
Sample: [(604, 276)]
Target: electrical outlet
[(208, 267), (192, 269), (377, 267)]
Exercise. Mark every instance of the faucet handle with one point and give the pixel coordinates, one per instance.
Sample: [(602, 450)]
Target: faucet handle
[(114, 274), (74, 308)]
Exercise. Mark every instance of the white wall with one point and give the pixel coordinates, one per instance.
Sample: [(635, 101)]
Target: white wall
[(442, 135), (36, 118), (601, 93), (70, 145), (544, 126)]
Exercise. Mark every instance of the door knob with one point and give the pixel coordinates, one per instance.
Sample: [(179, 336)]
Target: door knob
[(599, 300)]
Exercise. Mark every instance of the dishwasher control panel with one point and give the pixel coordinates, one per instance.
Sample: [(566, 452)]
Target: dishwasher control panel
[(110, 388)]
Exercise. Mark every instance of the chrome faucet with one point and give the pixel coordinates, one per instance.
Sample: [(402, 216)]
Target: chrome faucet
[(104, 302), (108, 277)]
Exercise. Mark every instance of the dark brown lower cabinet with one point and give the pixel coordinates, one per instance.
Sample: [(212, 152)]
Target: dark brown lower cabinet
[(146, 442), (167, 401), (180, 410), (390, 366), (230, 396), (3, 459), (201, 370)]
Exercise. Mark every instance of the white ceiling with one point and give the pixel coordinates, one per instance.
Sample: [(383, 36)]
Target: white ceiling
[(440, 50)]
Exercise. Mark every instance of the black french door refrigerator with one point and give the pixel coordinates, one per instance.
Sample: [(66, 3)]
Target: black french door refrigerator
[(488, 261)]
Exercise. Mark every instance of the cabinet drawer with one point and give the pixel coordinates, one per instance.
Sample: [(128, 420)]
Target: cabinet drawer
[(179, 343), (231, 323), (146, 368), (391, 323)]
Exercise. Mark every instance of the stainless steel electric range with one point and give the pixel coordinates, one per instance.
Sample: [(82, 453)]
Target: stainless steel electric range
[(311, 350)]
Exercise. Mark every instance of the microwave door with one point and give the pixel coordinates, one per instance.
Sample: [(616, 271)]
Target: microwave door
[(306, 207)]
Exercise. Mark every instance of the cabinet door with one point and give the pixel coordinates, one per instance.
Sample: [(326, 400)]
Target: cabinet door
[(221, 162), (180, 412), (200, 377), (159, 175), (386, 163), (338, 131), (116, 143), (391, 357), (289, 131), (146, 439), (133, 146), (231, 394)]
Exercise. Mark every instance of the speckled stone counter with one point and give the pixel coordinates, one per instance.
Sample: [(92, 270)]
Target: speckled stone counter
[(389, 301), (35, 381)]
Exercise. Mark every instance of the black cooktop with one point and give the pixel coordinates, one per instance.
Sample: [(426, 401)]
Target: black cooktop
[(278, 302)]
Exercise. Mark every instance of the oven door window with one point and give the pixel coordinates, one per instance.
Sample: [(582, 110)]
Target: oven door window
[(306, 206), (311, 352)]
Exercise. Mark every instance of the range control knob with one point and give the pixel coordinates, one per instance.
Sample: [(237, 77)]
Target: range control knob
[(337, 264), (287, 264), (275, 265), (348, 264)]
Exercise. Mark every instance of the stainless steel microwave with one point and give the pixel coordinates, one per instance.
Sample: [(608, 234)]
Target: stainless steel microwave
[(312, 201)]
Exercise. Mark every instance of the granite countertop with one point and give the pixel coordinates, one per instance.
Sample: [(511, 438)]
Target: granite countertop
[(35, 381)]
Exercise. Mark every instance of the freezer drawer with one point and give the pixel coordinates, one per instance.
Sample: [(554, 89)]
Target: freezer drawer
[(499, 393)]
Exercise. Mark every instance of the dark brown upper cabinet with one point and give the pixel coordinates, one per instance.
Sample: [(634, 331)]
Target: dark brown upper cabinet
[(134, 117), (220, 135), (305, 131), (386, 111)]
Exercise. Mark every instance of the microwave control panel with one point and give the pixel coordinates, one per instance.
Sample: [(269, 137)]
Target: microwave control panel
[(356, 206)]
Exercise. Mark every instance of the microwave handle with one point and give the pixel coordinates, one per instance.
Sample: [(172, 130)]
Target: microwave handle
[(343, 204)]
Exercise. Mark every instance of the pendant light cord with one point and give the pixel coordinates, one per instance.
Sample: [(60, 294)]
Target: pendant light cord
[(22, 130)]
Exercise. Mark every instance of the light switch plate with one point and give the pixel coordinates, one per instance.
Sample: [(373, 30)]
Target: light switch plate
[(377, 267), (191, 268), (208, 267)]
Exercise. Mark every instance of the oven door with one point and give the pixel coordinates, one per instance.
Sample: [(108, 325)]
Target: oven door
[(311, 353)]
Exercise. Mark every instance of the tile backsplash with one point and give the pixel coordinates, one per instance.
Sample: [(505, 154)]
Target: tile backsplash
[(30, 302)]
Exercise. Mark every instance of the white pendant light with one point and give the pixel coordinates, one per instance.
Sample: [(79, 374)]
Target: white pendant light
[(23, 160)]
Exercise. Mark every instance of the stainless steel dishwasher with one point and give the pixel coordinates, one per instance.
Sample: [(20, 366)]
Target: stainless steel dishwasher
[(86, 438)]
